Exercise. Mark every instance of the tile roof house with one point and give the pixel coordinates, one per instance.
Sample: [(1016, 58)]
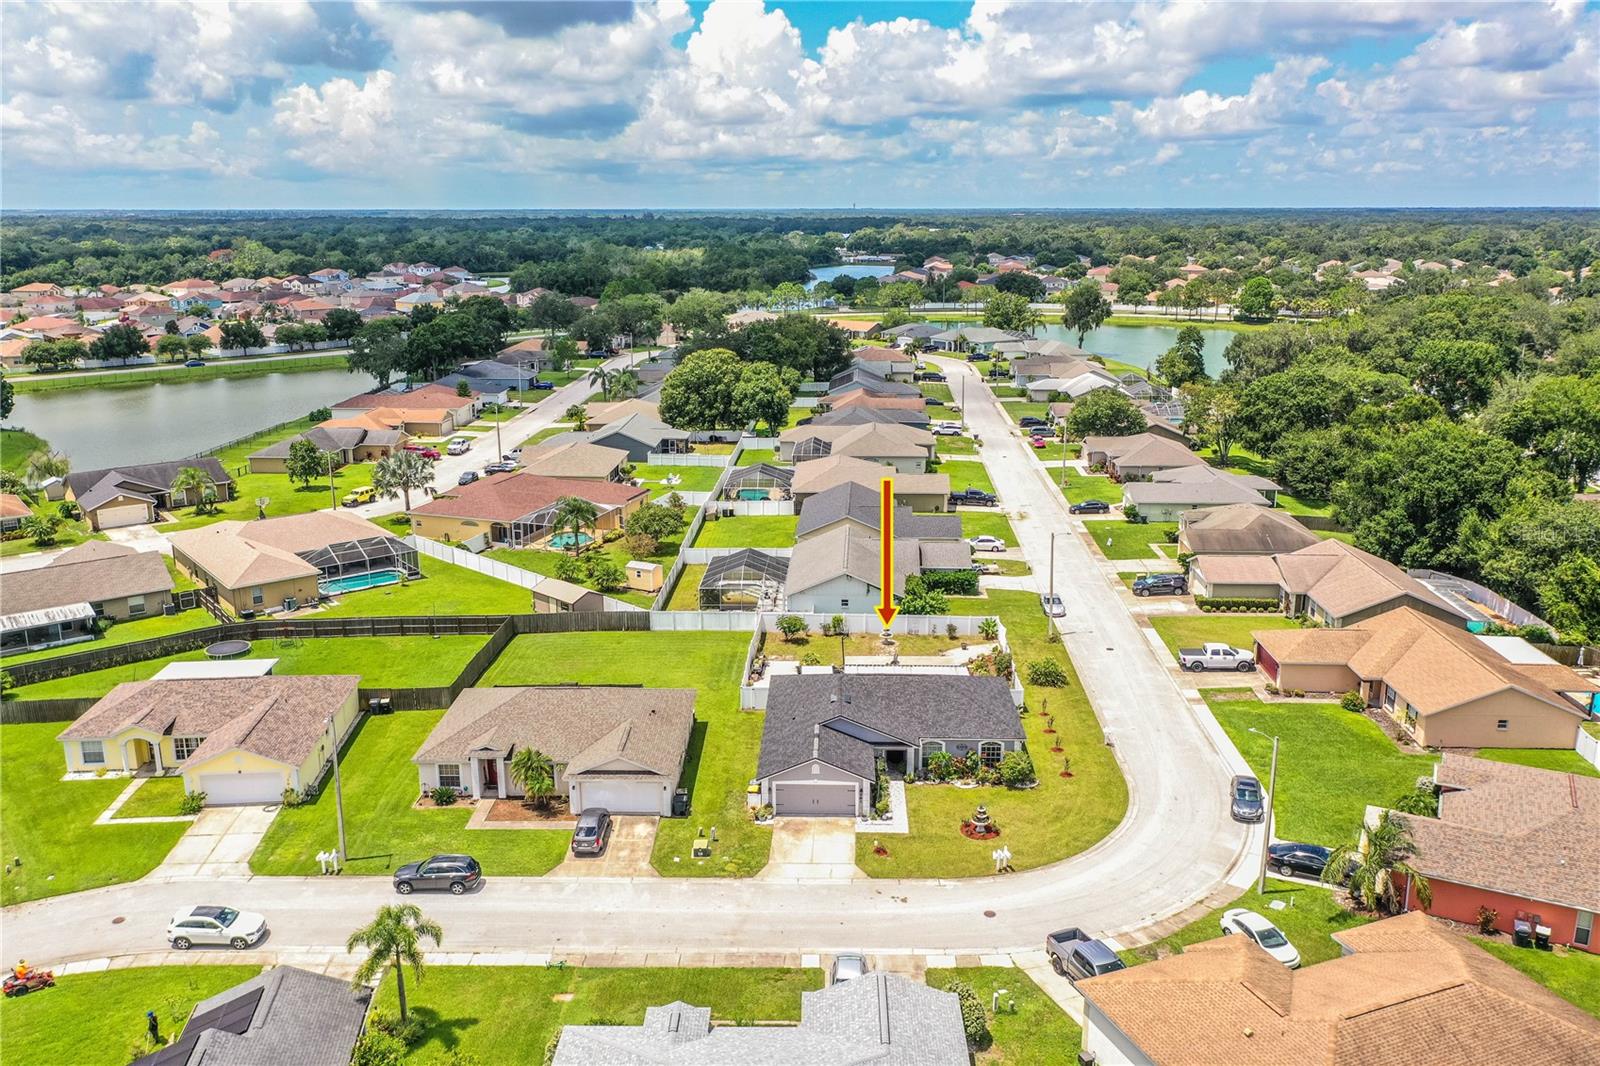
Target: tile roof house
[(617, 748), (1407, 990), (880, 1018), (131, 495), (59, 603), (907, 449), (237, 739), (921, 492), (283, 1017), (1518, 840), (1445, 686), (1137, 457), (823, 733), (1241, 529), (1170, 494), (517, 509)]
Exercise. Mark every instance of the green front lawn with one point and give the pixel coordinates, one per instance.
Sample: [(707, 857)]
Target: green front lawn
[(1029, 1030), (686, 593), (1562, 759), (1191, 631), (748, 531), (48, 824), (545, 434), (937, 391), (506, 1014), (97, 1019), (990, 523), (381, 662), (158, 797), (544, 561), (70, 532), (1130, 540), (690, 478), (1053, 452), (1574, 975), (1018, 410), (124, 633), (955, 446), (752, 456), (1309, 919), (966, 474), (722, 752), (1331, 763), (1081, 488), (384, 829), (444, 589), (1059, 818)]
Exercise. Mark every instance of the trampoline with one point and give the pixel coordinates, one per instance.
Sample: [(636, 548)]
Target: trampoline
[(227, 649)]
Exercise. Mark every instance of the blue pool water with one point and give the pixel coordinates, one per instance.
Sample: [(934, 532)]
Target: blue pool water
[(371, 579), (752, 494), (563, 541)]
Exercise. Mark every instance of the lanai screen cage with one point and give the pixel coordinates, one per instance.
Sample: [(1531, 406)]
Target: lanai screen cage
[(760, 482), (532, 527), (366, 555), (747, 580), (812, 448)]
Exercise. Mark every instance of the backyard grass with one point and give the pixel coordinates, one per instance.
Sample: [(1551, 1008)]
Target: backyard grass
[(181, 582), (158, 797), (97, 1019), (1565, 760), (722, 751), (829, 652), (382, 662), (686, 593), (796, 414), (991, 523), (506, 1014), (752, 456), (1130, 540), (1053, 452), (1244, 461), (160, 625), (690, 478), (384, 829), (1081, 488), (1059, 818), (1035, 1033), (1331, 763), (17, 447), (1191, 631), (1574, 976), (48, 824), (749, 531), (543, 561), (966, 474), (444, 589), (1309, 919)]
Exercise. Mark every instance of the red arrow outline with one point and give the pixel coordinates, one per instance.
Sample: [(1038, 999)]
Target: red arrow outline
[(886, 609)]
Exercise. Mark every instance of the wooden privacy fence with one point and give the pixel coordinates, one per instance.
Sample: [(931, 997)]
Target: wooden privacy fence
[(25, 712)]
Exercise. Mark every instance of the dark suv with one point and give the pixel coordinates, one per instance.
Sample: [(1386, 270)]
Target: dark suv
[(1160, 585), (454, 872)]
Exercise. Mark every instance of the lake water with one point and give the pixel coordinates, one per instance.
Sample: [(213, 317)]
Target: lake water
[(1139, 345), (98, 428), (854, 270)]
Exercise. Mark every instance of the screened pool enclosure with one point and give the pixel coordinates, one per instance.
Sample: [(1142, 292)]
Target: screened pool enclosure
[(341, 563), (747, 580), (760, 482)]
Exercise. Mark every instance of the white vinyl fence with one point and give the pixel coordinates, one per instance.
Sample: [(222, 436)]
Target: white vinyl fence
[(494, 568), (680, 459), (1589, 748)]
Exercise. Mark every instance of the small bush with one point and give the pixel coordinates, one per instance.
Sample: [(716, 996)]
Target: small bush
[(1016, 769), (320, 414), (408, 1032), (192, 803), (940, 765), (987, 775), (1130, 513), (1227, 603), (1352, 702), (444, 796), (762, 813), (791, 626), (835, 625), (951, 582), (1272, 690), (810, 658), (973, 1019), (1487, 916), (989, 629), (378, 1048), (290, 798), (1048, 673), (950, 631)]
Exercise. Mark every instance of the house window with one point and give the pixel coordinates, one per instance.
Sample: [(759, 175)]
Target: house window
[(256, 596), (183, 747), (844, 605), (135, 606), (931, 747), (93, 752), (989, 752), (450, 775), (1503, 724), (1585, 929)]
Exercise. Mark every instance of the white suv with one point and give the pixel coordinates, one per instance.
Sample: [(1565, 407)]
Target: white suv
[(215, 925)]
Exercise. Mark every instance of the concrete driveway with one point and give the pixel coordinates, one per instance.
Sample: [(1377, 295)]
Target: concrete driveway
[(812, 849), (628, 854), (219, 843)]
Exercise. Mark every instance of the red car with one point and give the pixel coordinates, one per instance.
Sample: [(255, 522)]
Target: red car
[(426, 453), (1039, 442)]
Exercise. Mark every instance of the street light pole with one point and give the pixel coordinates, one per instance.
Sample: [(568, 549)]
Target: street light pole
[(333, 494), (964, 401), (338, 788), (1266, 820), (1052, 567)]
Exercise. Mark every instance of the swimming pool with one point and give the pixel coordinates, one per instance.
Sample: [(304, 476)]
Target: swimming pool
[(564, 541), (753, 494), (367, 579)]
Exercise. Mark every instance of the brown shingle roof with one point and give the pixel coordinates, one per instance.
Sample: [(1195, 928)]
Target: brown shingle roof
[(427, 398), (819, 475), (1345, 579), (1245, 528), (572, 457), (508, 497), (105, 572)]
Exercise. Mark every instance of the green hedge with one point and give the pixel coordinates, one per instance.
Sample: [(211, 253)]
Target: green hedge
[(1236, 605), (952, 582)]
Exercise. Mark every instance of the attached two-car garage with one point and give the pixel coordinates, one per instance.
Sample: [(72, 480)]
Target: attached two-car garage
[(622, 797), (814, 799), (224, 789)]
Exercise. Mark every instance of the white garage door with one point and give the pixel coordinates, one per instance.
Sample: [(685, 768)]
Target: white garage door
[(622, 797), (817, 801), (127, 515), (242, 788)]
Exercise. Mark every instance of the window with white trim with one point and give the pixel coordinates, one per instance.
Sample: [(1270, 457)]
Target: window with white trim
[(1584, 931), (135, 606), (93, 752), (990, 751), (450, 775), (1503, 724), (183, 747), (257, 597)]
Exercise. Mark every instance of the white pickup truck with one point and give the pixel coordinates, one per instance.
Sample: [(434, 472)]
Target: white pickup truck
[(1216, 657)]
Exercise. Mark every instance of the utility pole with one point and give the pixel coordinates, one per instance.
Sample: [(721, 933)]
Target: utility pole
[(338, 789), (333, 494), (964, 401), (1266, 819), (1052, 567)]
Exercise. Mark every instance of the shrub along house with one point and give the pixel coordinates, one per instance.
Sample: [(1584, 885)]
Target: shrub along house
[(131, 495), (61, 602), (824, 733)]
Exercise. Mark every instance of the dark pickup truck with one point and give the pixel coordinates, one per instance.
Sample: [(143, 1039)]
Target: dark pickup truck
[(973, 498), (1076, 955)]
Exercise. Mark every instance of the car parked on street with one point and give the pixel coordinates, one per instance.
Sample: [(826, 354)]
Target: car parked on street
[(986, 543), (500, 467), (929, 375), (946, 429), (1051, 604), (215, 925), (1244, 799), (467, 477), (1032, 422), (1213, 656), (541, 386), (1090, 507), (847, 966), (457, 873), (972, 498), (1297, 860), (1077, 956), (194, 362), (1160, 585), (1268, 936), (422, 450), (593, 832)]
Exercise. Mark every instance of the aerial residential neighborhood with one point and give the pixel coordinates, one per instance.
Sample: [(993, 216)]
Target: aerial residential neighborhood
[(977, 535)]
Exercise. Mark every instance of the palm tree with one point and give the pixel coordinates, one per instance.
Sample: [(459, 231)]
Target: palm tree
[(602, 378), (192, 483), (401, 472), (1381, 860), (395, 935), (45, 465), (624, 385), (533, 770), (574, 513)]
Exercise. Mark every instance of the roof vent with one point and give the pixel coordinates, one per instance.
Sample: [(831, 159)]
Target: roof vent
[(883, 1008)]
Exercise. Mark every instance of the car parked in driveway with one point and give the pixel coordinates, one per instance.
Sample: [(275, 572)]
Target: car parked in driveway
[(1077, 956), (455, 873), (1245, 802), (458, 446), (215, 925), (847, 966), (1216, 657), (422, 450), (972, 498), (1297, 860), (1268, 936), (946, 429), (358, 496), (986, 543), (593, 832), (541, 386), (1160, 585), (1031, 422), (1090, 507), (1051, 604)]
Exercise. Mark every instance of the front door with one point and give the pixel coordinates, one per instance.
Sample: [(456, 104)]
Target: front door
[(489, 774)]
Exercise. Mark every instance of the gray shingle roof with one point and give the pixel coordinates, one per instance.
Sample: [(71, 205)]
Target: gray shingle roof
[(864, 506), (856, 415), (860, 378), (137, 479)]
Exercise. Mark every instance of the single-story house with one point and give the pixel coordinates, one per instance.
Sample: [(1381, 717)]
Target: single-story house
[(866, 398), (906, 449), (920, 492), (1266, 488), (567, 456), (285, 1016), (1041, 390), (861, 415), (518, 509), (348, 444), (237, 739), (131, 495), (824, 733), (14, 511), (1517, 840), (838, 572), (282, 563), (491, 377), (617, 748), (61, 602), (881, 1018), (1041, 348), (1136, 457), (972, 338), (860, 379), (905, 334), (638, 435), (1407, 989), (856, 328), (423, 411), (604, 414), (889, 363), (862, 507), (1170, 494), (1449, 688), (1241, 529), (554, 596)]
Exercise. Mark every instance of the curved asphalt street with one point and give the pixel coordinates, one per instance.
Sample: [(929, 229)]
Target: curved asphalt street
[(1177, 849)]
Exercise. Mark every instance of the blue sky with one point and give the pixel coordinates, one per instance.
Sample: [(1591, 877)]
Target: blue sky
[(736, 103)]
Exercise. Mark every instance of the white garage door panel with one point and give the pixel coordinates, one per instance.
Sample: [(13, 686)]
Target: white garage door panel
[(831, 801), (241, 788), (622, 797), (116, 517)]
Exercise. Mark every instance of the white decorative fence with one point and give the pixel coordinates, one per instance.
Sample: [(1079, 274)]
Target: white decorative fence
[(494, 568), (1589, 747), (703, 621), (682, 459), (763, 507)]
